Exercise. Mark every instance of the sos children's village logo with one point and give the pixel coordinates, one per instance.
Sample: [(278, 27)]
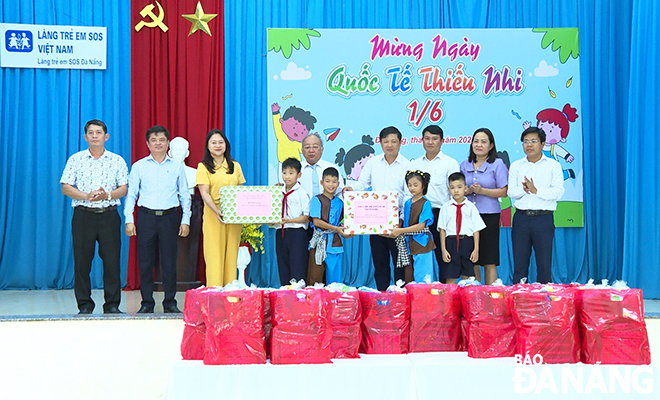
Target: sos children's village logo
[(532, 375), (18, 41)]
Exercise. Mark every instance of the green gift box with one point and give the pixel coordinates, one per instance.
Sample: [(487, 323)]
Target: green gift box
[(251, 204)]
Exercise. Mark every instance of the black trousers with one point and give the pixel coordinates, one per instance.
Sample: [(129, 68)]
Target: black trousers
[(88, 228), (292, 254), (162, 232), (382, 249), (459, 263), (535, 232), (442, 266)]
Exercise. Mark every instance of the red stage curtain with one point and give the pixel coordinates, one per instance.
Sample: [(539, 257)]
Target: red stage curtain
[(177, 79)]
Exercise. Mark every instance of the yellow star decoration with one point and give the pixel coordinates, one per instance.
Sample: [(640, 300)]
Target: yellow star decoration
[(199, 20)]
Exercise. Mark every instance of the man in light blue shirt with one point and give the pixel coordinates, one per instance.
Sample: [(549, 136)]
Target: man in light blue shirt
[(158, 184)]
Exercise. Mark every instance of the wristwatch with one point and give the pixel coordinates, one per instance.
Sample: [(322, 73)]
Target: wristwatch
[(109, 195)]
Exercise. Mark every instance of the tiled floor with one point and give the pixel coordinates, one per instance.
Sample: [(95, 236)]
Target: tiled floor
[(651, 308), (49, 304)]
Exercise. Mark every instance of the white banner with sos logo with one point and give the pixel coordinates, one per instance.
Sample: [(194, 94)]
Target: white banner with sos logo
[(53, 46)]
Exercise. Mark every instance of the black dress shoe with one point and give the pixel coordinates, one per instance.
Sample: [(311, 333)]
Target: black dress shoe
[(112, 310), (171, 310), (146, 310), (85, 310)]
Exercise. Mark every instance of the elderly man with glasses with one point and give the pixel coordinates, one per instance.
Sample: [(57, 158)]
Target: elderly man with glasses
[(313, 166)]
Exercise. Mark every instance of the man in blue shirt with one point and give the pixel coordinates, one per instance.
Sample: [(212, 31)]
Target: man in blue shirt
[(158, 184)]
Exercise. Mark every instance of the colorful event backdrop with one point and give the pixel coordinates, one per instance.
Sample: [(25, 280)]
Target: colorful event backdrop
[(461, 79)]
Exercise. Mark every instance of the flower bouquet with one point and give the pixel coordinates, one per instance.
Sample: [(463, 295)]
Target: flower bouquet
[(252, 237)]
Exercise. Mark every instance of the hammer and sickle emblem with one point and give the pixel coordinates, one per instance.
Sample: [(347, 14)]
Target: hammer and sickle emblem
[(156, 20)]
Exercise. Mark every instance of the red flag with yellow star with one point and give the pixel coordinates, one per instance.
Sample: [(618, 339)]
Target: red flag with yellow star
[(177, 77)]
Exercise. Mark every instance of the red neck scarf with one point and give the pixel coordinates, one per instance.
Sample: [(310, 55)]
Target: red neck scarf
[(459, 222)]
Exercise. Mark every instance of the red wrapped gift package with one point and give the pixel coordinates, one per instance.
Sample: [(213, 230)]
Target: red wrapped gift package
[(385, 322), (301, 331), (268, 323), (345, 316), (612, 326), (194, 329), (465, 331), (546, 322), (435, 317), (490, 330), (234, 327)]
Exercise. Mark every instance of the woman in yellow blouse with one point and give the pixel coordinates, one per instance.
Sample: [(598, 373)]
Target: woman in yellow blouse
[(221, 240)]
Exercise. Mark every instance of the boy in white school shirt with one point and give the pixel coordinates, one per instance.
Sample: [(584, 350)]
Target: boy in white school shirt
[(459, 226), (291, 236)]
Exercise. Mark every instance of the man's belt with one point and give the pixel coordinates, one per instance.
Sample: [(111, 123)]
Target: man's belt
[(534, 213), (97, 210), (159, 212)]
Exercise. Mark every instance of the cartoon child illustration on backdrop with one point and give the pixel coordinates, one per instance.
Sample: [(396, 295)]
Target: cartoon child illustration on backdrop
[(555, 124), (290, 130), (354, 160)]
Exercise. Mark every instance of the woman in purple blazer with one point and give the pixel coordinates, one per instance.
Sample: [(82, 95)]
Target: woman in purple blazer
[(487, 178)]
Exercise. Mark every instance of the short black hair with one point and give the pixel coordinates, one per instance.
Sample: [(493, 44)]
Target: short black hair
[(388, 131), (292, 163), (434, 130), (156, 129), (96, 122), (533, 129), (456, 176), (330, 171)]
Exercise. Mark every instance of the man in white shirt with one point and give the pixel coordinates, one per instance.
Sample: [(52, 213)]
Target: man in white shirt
[(313, 166), (536, 182), (95, 179), (439, 166), (385, 172)]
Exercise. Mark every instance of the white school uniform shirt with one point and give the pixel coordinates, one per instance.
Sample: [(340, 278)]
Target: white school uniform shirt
[(298, 204), (383, 176), (320, 166), (471, 222), (548, 179), (440, 167)]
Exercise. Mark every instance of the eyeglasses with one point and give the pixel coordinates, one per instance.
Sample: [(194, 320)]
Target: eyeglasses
[(533, 141), (313, 147)]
